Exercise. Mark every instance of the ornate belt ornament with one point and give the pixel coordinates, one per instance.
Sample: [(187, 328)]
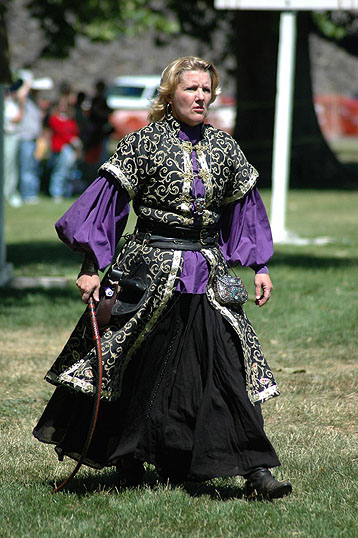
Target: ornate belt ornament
[(199, 205)]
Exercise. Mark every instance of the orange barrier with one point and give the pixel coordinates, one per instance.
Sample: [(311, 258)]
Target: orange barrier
[(337, 115)]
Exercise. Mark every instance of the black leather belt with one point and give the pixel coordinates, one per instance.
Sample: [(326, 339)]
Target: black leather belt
[(178, 237)]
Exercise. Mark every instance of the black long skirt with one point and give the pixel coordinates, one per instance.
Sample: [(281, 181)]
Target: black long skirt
[(184, 403)]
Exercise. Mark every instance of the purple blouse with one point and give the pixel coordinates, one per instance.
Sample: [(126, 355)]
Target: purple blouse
[(96, 221)]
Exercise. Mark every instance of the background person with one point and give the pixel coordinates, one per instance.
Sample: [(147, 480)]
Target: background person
[(13, 114), (65, 147), (184, 374), (81, 115), (99, 127), (31, 131)]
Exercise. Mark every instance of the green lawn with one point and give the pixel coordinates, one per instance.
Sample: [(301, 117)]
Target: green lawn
[(309, 334)]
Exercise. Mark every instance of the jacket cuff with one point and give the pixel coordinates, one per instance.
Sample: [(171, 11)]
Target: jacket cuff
[(260, 269)]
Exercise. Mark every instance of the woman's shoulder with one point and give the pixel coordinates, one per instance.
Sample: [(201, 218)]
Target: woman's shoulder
[(139, 141), (147, 131), (214, 133)]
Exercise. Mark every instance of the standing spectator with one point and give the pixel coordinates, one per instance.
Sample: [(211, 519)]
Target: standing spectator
[(13, 113), (99, 127), (65, 146), (81, 115), (31, 129)]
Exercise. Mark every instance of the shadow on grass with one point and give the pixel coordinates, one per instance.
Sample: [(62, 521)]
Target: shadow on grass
[(219, 493), (42, 252), (109, 483), (306, 261), (29, 296)]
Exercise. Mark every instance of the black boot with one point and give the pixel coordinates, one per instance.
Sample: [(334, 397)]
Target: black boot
[(173, 476), (174, 467), (261, 484), (130, 472)]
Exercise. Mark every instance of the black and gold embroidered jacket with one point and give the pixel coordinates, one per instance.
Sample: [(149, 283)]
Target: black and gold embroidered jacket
[(155, 167)]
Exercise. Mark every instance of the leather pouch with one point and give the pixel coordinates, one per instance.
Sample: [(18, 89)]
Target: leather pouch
[(230, 290)]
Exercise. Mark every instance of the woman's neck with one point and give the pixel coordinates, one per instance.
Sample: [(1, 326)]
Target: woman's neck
[(190, 132)]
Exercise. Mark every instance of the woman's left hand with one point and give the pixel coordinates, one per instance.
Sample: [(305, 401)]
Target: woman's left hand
[(263, 288)]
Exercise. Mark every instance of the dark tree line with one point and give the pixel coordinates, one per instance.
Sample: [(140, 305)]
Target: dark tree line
[(253, 36)]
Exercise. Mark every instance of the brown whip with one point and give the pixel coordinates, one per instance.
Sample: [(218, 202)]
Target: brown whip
[(97, 399)]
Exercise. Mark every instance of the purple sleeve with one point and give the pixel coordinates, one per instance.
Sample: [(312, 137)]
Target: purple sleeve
[(245, 233), (96, 221)]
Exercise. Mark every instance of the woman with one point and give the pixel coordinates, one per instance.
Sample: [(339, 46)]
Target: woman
[(184, 373), (65, 146)]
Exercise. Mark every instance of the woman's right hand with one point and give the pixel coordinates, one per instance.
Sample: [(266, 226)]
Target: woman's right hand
[(88, 284)]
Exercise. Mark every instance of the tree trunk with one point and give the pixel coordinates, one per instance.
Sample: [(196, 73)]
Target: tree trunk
[(313, 165), (5, 75), (256, 43)]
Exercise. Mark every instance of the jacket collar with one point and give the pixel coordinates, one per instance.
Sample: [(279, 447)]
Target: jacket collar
[(175, 125)]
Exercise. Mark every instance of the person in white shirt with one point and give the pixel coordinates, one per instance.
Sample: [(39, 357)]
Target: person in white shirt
[(31, 129), (13, 113)]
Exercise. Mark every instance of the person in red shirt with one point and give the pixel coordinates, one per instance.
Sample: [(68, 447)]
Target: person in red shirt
[(65, 146)]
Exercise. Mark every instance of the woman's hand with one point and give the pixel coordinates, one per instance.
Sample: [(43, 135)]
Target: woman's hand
[(88, 284), (263, 288)]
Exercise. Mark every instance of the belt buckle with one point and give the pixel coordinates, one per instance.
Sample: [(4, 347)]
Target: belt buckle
[(208, 237), (143, 238), (146, 240), (202, 237)]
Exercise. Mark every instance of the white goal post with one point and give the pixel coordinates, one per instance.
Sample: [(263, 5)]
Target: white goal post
[(284, 93), (282, 5)]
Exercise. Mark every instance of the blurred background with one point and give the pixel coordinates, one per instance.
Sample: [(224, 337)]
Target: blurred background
[(88, 50)]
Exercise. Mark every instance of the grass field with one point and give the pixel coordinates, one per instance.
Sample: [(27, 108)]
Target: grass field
[(309, 334)]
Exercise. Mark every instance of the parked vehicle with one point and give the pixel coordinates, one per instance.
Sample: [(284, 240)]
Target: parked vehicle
[(130, 98)]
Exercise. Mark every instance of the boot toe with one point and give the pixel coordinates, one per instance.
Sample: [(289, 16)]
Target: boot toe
[(280, 490), (261, 484)]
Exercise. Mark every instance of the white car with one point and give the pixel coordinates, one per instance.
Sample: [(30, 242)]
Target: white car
[(132, 92), (130, 97)]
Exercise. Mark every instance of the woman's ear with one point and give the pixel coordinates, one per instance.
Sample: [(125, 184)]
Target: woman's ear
[(169, 99)]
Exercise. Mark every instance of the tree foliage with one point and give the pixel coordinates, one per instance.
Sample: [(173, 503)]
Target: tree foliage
[(104, 20), (339, 26)]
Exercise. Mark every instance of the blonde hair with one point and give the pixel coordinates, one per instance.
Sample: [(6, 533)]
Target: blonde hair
[(171, 78)]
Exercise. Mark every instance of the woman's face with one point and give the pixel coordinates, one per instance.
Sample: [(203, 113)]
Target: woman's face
[(192, 96)]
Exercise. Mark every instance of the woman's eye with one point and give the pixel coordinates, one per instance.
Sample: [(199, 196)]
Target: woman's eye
[(194, 88)]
